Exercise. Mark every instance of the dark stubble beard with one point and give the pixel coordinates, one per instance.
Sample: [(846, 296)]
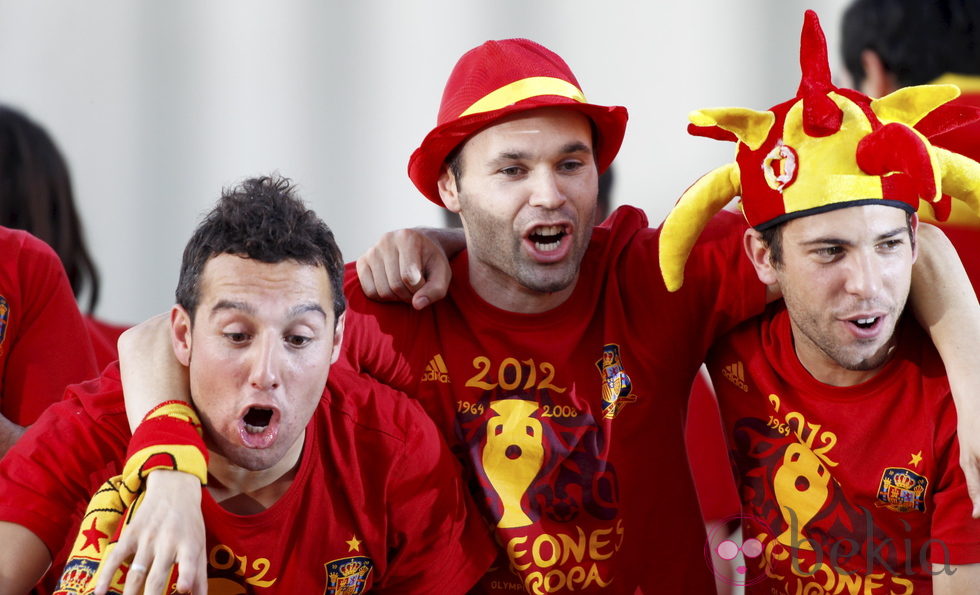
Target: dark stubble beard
[(503, 251)]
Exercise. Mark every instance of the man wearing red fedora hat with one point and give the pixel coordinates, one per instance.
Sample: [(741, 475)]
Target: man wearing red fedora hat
[(558, 367), (838, 411)]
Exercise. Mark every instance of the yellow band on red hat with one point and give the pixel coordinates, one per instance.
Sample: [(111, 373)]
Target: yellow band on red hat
[(534, 86)]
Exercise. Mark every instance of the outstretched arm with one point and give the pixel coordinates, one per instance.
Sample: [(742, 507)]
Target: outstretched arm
[(946, 305), (410, 265)]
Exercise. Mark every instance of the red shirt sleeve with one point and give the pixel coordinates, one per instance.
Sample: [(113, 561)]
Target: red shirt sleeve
[(720, 289), (378, 335), (46, 341), (720, 272)]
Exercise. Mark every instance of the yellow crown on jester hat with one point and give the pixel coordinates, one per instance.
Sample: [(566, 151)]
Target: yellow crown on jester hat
[(824, 149)]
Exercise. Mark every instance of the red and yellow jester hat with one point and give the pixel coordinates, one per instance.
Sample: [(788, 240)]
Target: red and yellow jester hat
[(826, 148), (497, 79)]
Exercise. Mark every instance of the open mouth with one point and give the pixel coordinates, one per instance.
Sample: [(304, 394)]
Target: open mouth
[(257, 420), (866, 323), (258, 427), (547, 238), (866, 326)]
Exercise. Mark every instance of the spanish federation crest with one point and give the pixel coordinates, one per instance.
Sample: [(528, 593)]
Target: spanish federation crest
[(902, 490), (348, 576), (617, 388), (76, 576)]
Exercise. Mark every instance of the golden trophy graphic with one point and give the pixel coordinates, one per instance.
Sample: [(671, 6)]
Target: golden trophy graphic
[(801, 490), (513, 456)]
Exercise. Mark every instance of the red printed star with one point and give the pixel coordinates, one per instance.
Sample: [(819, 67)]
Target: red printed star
[(92, 537)]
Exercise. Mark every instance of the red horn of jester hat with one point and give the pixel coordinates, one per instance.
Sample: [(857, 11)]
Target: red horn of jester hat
[(500, 78), (826, 148)]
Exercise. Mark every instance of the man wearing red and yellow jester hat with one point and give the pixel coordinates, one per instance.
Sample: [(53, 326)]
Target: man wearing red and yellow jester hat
[(842, 428)]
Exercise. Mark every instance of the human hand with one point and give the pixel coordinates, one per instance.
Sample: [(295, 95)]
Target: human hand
[(409, 265), (167, 527)]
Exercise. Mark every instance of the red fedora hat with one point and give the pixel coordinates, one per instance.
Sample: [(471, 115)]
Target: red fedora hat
[(497, 79)]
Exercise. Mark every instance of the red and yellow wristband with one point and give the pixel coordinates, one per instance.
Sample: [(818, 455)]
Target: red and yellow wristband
[(169, 437)]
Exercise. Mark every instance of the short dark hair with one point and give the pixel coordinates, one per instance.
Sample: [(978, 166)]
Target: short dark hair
[(36, 196), (454, 161), (261, 219), (772, 238), (917, 40)]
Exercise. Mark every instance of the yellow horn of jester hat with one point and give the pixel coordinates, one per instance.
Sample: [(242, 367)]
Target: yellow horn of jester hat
[(826, 148)]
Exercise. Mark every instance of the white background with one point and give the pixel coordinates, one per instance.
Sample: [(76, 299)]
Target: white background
[(157, 105)]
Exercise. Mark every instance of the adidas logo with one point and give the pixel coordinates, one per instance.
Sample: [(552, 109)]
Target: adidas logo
[(436, 371), (735, 373)]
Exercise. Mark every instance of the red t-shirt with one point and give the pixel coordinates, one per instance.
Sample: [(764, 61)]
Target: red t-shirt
[(44, 343), (570, 422), (866, 476), (377, 502)]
